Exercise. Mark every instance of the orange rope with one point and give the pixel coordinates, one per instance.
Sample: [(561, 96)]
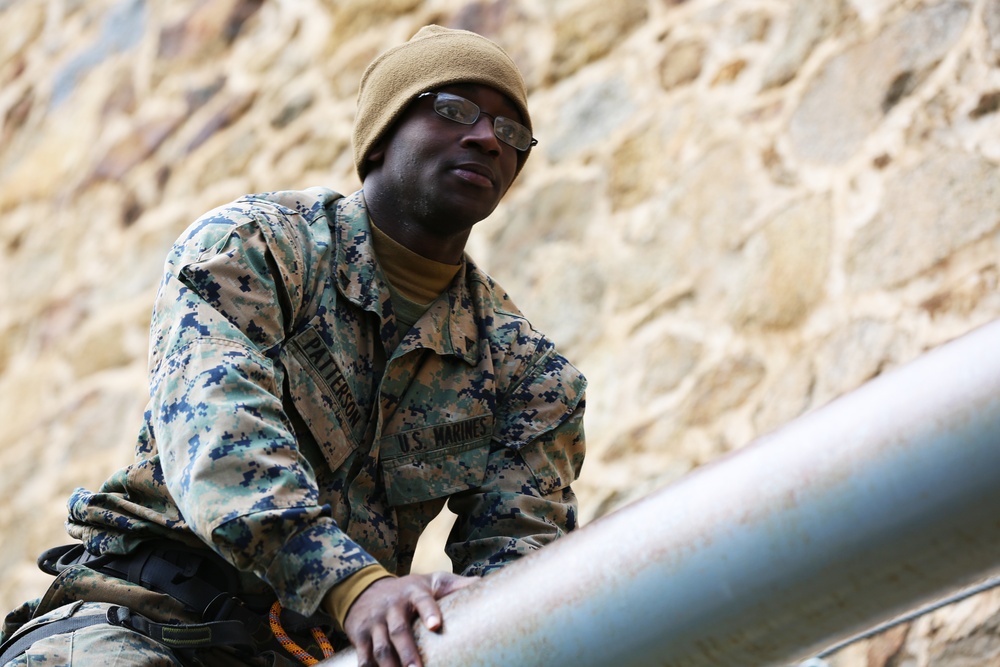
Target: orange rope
[(274, 618)]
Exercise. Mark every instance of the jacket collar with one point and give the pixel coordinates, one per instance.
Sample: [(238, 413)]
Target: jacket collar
[(449, 327)]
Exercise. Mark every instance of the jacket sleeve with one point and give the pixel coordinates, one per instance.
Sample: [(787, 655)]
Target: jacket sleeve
[(525, 501), (229, 456)]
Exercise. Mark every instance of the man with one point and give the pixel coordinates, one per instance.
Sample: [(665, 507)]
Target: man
[(325, 373)]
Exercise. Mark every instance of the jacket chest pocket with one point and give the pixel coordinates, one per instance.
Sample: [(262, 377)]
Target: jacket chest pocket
[(436, 461)]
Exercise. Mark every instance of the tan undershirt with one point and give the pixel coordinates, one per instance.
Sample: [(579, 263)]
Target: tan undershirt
[(414, 282)]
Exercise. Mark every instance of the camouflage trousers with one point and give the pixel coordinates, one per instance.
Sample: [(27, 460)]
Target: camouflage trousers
[(80, 592)]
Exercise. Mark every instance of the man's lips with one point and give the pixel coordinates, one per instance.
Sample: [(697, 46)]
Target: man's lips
[(476, 173)]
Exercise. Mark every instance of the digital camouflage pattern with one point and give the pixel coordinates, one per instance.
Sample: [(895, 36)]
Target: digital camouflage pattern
[(298, 432)]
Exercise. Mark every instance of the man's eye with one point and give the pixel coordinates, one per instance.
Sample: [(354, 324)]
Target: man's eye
[(505, 132), (450, 110)]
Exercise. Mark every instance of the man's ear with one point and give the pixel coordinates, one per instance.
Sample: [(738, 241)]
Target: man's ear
[(376, 154)]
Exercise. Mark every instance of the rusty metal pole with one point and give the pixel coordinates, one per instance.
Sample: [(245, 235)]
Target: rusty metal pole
[(884, 499)]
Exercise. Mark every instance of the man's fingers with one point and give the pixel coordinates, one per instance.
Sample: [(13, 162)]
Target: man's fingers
[(364, 651), (382, 647), (440, 584), (429, 611), (401, 634), (380, 621)]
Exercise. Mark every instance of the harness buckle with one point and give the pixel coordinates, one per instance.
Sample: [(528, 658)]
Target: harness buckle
[(123, 618)]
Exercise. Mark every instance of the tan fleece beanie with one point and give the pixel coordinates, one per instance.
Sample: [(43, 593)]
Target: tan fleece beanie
[(433, 57)]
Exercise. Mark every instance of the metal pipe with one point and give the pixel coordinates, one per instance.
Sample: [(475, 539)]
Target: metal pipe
[(884, 499)]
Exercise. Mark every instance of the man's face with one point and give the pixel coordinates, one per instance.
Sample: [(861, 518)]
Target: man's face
[(447, 172)]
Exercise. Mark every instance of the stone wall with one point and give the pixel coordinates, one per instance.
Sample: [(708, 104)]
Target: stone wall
[(737, 211)]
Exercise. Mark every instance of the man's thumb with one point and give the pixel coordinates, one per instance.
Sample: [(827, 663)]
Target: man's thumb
[(446, 583)]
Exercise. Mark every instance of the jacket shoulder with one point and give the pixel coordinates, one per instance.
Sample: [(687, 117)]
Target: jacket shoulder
[(309, 204), (277, 243)]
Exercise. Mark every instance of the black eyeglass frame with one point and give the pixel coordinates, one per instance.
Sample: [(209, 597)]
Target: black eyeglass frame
[(480, 112)]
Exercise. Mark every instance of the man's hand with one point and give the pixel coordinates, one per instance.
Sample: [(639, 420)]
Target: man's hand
[(380, 622)]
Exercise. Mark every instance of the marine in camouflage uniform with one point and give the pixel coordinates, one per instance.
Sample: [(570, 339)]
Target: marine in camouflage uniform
[(301, 434), (281, 435)]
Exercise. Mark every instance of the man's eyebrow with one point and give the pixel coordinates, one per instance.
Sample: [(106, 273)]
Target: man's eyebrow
[(508, 110)]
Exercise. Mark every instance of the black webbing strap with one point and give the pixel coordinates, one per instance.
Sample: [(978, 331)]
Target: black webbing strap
[(20, 643), (185, 636), (158, 574)]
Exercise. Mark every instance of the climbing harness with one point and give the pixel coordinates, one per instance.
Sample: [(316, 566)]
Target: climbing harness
[(198, 579)]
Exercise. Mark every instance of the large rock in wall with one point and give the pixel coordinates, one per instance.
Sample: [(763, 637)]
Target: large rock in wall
[(737, 211)]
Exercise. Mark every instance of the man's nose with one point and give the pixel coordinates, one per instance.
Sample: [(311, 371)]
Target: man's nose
[(482, 133)]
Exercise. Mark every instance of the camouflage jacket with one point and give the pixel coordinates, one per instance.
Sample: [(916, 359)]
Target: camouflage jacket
[(297, 432)]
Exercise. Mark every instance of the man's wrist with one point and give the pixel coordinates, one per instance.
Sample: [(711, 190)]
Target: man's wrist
[(338, 600)]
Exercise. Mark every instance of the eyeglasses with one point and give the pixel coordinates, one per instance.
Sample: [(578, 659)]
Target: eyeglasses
[(466, 112)]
